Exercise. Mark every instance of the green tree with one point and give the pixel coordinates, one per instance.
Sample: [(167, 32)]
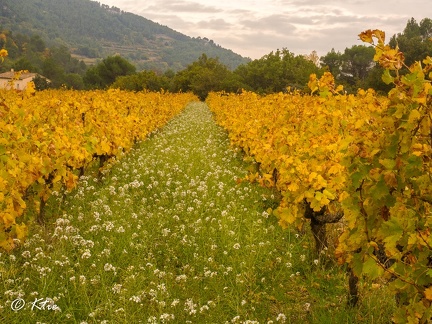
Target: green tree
[(426, 28), (24, 64), (53, 71), (11, 45), (41, 83), (332, 61), (414, 40), (144, 80), (87, 51), (62, 56), (74, 81), (357, 62), (374, 80), (105, 73), (92, 79), (355, 67), (276, 71), (36, 44), (205, 75), (30, 53)]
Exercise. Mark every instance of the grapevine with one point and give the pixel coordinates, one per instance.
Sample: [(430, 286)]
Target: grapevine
[(297, 140), (363, 156), (388, 205), (49, 136)]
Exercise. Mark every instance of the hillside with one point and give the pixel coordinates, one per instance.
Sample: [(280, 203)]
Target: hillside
[(93, 30)]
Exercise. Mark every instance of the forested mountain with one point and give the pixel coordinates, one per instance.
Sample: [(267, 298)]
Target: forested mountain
[(93, 30)]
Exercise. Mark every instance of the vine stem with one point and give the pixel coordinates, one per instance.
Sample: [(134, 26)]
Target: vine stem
[(398, 276), (364, 213), (424, 240)]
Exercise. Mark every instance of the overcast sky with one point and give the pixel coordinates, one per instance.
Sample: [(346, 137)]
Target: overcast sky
[(254, 28)]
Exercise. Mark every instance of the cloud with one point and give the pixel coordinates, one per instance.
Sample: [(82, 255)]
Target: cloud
[(254, 28), (179, 7), (278, 24), (215, 24)]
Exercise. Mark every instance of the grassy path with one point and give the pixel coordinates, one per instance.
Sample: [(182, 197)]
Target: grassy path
[(169, 236)]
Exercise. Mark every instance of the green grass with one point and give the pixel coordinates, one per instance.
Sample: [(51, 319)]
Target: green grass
[(169, 235)]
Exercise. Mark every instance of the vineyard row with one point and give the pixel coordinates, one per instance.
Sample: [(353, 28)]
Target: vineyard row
[(363, 159), (48, 138)]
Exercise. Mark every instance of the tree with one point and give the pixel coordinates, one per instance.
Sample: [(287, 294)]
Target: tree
[(24, 64), (41, 83), (426, 28), (144, 80), (54, 72), (351, 68), (36, 44), (357, 62), (414, 40), (412, 29), (205, 75), (355, 67), (87, 51), (332, 61), (74, 81), (313, 57), (276, 71), (30, 53), (105, 73), (62, 56), (374, 80), (92, 79)]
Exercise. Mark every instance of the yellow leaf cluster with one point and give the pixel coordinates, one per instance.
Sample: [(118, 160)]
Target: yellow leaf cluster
[(46, 136), (300, 136), (3, 53)]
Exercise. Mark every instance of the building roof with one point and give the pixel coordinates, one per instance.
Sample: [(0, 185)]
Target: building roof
[(11, 75)]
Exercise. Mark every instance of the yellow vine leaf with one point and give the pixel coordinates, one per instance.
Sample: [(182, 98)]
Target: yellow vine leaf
[(21, 231), (428, 293), (3, 54), (293, 186), (313, 83), (366, 36)]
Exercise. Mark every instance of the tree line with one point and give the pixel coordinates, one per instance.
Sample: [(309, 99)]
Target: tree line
[(274, 72)]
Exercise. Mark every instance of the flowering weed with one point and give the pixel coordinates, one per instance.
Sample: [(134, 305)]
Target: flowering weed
[(169, 235)]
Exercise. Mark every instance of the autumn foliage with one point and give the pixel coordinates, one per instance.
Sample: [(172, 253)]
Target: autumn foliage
[(48, 138), (365, 156)]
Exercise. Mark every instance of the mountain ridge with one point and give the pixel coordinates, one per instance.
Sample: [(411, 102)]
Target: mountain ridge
[(93, 31)]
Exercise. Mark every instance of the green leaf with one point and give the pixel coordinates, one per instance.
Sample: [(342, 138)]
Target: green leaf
[(388, 163), (398, 284), (394, 145), (357, 264), (380, 189), (372, 269), (324, 93), (356, 179), (400, 111), (389, 201), (414, 167), (386, 77), (413, 116), (391, 232)]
